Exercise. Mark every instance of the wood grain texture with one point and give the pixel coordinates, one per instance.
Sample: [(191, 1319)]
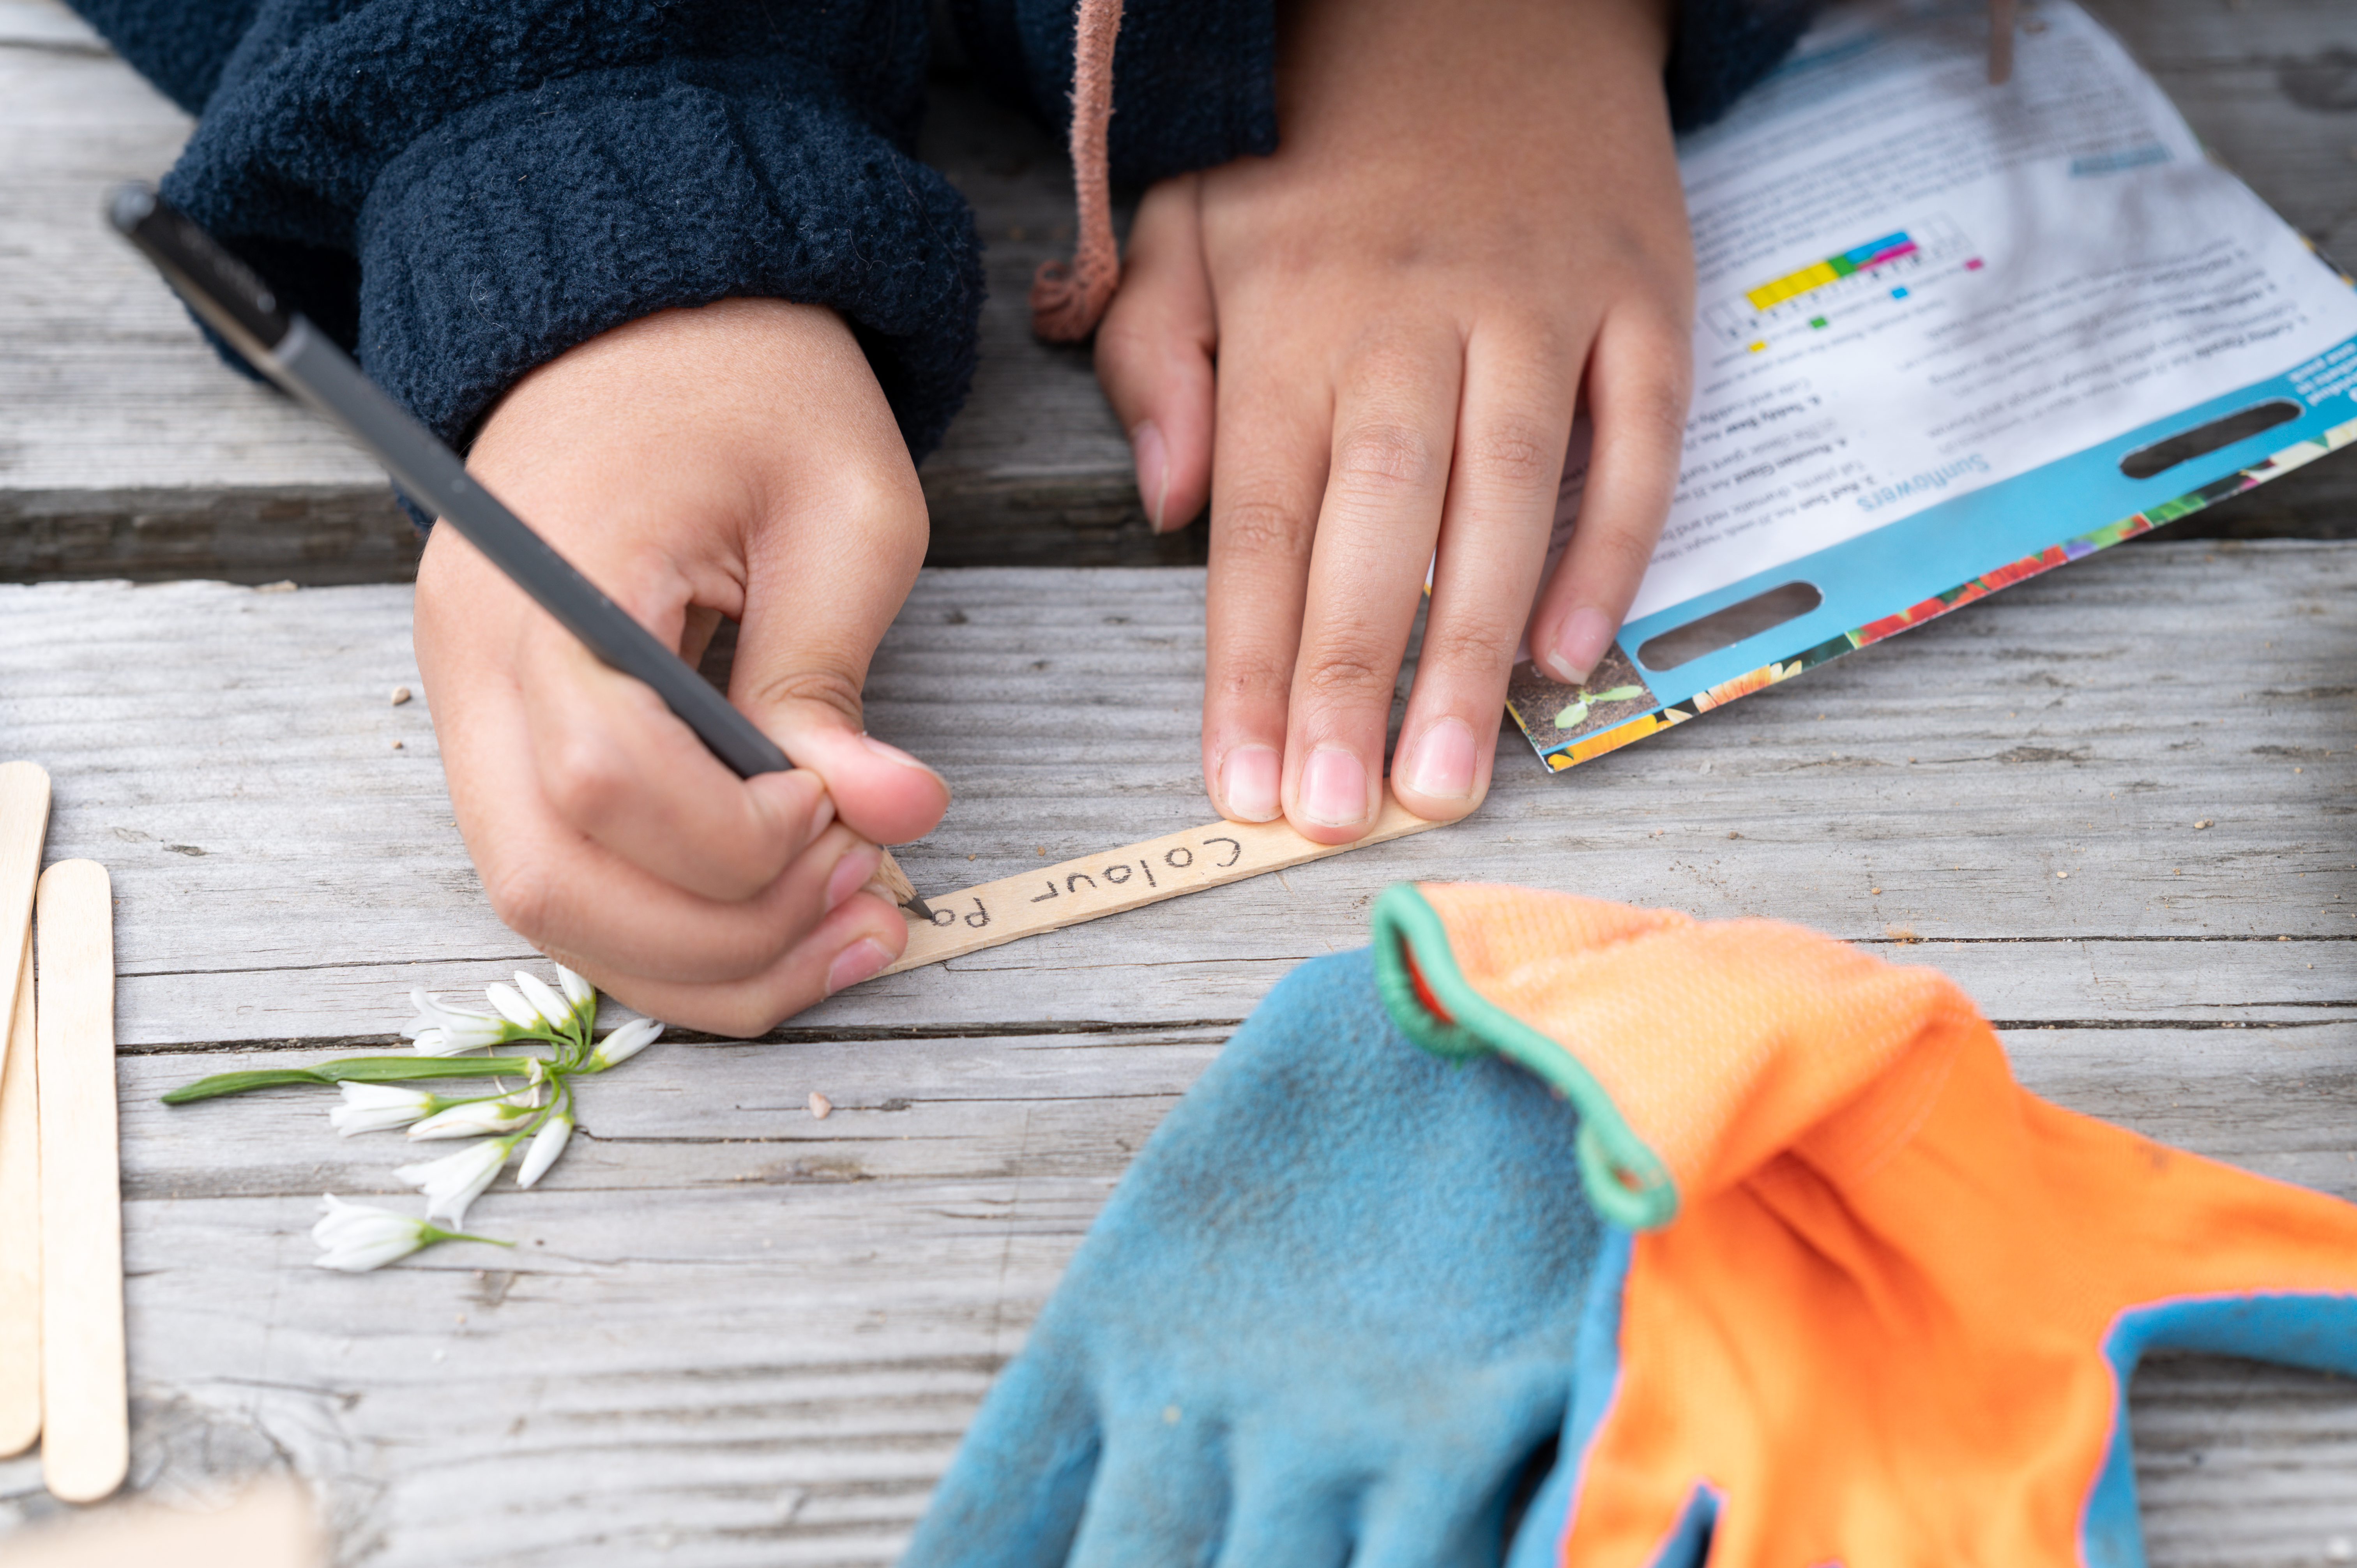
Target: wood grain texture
[(1127, 877), (126, 450), (20, 1220), (735, 1333), (85, 1399)]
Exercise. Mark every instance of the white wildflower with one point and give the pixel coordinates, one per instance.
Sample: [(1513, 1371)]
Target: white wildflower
[(473, 1119), (355, 1237), (553, 1009), (580, 994), (624, 1043), (444, 1031), (515, 1009), (453, 1182), (546, 1145), (379, 1107)]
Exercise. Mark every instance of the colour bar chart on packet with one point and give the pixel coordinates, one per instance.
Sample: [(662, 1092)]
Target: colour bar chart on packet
[(1838, 290)]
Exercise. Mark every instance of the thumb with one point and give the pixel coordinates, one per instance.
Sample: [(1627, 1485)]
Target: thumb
[(1154, 355), (819, 596)]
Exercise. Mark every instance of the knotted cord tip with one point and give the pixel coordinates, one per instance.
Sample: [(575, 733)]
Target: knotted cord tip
[(1068, 299)]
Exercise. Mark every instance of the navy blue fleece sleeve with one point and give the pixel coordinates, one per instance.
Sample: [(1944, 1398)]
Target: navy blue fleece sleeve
[(1194, 81), (461, 192)]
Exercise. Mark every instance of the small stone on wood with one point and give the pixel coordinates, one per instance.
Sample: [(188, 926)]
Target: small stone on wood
[(400, 695), (820, 1105)]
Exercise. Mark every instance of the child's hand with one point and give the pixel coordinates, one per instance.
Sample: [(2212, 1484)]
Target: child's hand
[(737, 460), (1476, 205)]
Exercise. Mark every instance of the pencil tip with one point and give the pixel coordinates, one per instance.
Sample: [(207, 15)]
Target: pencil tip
[(915, 904)]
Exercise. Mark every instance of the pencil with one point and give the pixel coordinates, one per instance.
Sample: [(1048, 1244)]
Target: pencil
[(296, 354)]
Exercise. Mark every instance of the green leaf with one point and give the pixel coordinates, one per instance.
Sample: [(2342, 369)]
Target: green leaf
[(1619, 694), (359, 1069), (1574, 715)]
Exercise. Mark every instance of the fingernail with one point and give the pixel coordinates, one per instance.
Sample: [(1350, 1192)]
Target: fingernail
[(1579, 646), (863, 959), (1441, 765), (1334, 788), (1152, 458), (1249, 781), (894, 754), (852, 873)]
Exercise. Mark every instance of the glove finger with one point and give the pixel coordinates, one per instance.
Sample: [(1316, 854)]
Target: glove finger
[(1283, 1519), (1014, 1494), (1444, 1500), (1160, 1499)]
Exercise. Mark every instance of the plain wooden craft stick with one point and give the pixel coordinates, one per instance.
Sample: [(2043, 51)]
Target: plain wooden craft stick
[(273, 1526), (20, 1223), (85, 1405), (24, 825), (1055, 897)]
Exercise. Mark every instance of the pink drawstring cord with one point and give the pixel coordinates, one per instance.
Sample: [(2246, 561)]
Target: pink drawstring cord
[(1068, 298)]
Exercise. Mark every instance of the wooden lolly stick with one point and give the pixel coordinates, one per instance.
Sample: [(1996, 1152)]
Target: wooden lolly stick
[(20, 1223), (85, 1405), (1055, 897), (23, 824)]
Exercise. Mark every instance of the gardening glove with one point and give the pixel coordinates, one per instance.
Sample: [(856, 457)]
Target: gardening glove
[(1327, 1316), (1881, 1305)]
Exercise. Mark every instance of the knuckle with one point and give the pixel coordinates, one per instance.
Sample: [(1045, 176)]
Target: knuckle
[(1249, 677), (1346, 671), (1663, 402), (881, 492), (524, 898), (1125, 337), (1513, 452), (828, 688), (1459, 646), (1385, 457), (1258, 527), (587, 780)]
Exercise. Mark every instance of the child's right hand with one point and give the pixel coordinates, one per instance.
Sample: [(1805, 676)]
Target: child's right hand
[(737, 460)]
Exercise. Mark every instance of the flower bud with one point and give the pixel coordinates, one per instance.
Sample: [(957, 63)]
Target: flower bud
[(546, 1145), (379, 1107), (624, 1043)]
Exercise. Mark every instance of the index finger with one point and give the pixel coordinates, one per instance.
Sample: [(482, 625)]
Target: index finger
[(1639, 376)]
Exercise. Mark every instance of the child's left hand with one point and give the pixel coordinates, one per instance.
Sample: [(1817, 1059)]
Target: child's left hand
[(1474, 224)]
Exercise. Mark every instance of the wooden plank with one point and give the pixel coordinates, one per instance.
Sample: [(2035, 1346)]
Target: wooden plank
[(20, 1221), (2269, 85), (85, 1400), (229, 755), (856, 1281), (125, 449)]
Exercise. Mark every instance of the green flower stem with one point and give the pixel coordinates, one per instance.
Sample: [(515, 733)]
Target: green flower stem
[(435, 1235), (359, 1069)]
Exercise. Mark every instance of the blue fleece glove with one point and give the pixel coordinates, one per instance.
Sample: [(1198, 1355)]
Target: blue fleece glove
[(1330, 1316)]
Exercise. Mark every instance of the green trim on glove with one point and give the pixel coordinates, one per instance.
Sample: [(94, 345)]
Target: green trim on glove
[(1627, 1181)]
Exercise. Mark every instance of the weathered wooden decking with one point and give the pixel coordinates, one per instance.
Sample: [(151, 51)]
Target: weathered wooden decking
[(752, 1337), (733, 1333)]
